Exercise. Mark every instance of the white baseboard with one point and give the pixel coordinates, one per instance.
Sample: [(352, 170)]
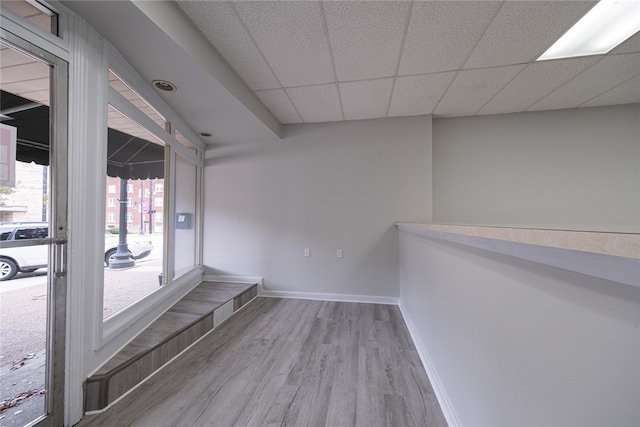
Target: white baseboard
[(441, 395), (329, 297), (300, 295)]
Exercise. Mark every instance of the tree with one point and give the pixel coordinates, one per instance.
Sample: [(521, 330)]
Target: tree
[(4, 192)]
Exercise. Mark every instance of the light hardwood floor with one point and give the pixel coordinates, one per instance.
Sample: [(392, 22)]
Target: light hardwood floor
[(288, 362)]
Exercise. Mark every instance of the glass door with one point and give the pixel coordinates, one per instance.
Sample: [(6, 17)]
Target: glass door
[(33, 232)]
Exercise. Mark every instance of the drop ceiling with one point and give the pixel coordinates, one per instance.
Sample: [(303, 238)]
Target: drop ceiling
[(309, 61)]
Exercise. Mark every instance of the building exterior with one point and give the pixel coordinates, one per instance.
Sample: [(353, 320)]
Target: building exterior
[(145, 205), (27, 202)]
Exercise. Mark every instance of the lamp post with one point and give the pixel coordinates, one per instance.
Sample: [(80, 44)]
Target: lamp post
[(140, 207), (122, 259), (151, 212)]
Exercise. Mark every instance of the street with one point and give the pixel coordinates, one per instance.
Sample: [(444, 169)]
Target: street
[(23, 307)]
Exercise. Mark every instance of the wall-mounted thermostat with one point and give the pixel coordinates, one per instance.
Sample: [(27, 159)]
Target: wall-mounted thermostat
[(183, 221)]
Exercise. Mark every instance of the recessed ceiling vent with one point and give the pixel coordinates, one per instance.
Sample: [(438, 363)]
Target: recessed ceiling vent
[(164, 85)]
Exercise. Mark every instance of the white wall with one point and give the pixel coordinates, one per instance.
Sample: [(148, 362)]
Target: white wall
[(571, 168), (518, 343), (323, 187)]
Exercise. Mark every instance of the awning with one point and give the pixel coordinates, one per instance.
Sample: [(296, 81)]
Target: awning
[(128, 157)]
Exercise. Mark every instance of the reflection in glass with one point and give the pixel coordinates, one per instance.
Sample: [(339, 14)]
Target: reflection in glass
[(135, 171), (24, 217), (187, 143), (133, 97), (185, 221), (35, 13)]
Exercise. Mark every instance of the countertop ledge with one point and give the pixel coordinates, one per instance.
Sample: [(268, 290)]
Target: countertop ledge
[(611, 256)]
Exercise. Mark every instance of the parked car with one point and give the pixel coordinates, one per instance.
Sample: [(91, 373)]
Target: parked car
[(137, 249), (28, 259)]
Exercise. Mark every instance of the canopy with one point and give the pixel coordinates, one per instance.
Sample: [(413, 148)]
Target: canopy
[(128, 157)]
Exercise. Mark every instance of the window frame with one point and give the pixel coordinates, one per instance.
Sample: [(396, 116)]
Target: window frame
[(110, 328)]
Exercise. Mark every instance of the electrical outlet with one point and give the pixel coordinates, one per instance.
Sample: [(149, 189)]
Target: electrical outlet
[(339, 253), (306, 251)]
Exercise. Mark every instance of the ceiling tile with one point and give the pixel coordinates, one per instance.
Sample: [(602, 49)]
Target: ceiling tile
[(280, 105), (625, 93), (317, 103), (523, 30), (416, 95), (632, 44), (602, 77), (536, 81), (471, 89), (366, 37), (292, 37), (220, 25), (441, 35), (367, 99)]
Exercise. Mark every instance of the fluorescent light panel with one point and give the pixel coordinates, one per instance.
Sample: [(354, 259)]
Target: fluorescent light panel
[(604, 27)]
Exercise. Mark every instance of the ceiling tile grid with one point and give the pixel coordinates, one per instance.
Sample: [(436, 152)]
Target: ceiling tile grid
[(311, 61), (292, 37), (317, 103), (535, 82), (627, 92), (523, 30), (280, 105), (365, 99), (366, 38), (472, 89), (417, 95), (611, 71), (441, 35), (219, 23)]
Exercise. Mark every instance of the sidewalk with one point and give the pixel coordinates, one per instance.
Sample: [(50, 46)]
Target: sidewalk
[(24, 387), (23, 305)]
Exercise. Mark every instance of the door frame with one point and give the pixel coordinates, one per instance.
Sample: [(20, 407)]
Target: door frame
[(57, 241)]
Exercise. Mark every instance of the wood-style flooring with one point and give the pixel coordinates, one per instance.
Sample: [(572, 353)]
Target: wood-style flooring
[(288, 362)]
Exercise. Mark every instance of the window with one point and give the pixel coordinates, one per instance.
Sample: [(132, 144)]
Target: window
[(144, 156), (132, 96), (111, 202), (35, 13), (144, 223), (185, 203), (111, 217), (31, 233), (187, 143), (111, 189)]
